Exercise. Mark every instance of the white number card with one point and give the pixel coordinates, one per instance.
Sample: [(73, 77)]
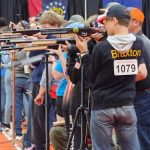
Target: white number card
[(125, 67)]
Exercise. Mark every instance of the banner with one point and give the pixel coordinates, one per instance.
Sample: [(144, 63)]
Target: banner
[(59, 6), (127, 3), (34, 7), (38, 6)]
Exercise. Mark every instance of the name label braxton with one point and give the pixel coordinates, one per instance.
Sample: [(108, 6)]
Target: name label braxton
[(136, 53)]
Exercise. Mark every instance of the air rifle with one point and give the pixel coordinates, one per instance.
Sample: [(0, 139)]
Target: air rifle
[(40, 42), (31, 48), (6, 38), (84, 31), (10, 47), (9, 34)]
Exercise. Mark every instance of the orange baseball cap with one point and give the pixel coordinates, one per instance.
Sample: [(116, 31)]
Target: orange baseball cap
[(136, 13)]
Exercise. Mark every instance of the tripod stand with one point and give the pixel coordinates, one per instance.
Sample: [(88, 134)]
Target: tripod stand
[(13, 98), (47, 104), (80, 111)]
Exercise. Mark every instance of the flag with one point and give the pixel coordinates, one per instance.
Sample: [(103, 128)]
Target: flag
[(59, 6), (38, 6), (34, 7), (127, 3)]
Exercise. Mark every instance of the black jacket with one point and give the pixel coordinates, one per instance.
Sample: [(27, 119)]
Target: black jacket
[(108, 90)]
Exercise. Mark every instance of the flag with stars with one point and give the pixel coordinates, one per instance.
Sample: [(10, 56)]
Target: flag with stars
[(59, 6), (37, 6)]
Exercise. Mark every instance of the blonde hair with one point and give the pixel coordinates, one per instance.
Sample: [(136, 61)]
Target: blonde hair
[(52, 18)]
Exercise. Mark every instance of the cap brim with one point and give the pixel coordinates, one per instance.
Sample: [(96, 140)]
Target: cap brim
[(68, 23), (101, 19)]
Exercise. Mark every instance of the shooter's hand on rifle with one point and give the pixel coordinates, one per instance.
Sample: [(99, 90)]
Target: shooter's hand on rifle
[(58, 52), (12, 25), (97, 36), (81, 44), (39, 36)]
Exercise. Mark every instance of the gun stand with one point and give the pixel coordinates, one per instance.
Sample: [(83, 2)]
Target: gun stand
[(80, 112), (13, 97), (46, 104)]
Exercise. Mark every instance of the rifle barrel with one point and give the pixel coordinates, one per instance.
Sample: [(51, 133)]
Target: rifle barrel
[(31, 48), (84, 31), (43, 41)]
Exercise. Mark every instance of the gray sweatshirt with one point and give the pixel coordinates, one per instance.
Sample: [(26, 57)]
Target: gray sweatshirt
[(20, 69)]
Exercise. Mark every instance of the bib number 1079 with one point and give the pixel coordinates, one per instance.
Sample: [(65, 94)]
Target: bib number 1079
[(125, 67)]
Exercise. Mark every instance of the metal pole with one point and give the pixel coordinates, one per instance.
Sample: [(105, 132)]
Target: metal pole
[(85, 10), (46, 104), (13, 98)]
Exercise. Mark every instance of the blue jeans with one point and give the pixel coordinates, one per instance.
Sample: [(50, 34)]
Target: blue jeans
[(27, 141), (27, 137), (123, 119), (3, 99), (52, 114), (8, 87), (142, 108), (20, 92)]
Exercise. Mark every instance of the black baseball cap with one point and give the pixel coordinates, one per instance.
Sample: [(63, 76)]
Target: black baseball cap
[(108, 6), (118, 11)]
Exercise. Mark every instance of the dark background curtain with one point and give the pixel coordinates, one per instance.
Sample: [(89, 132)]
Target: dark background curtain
[(146, 10), (78, 7), (10, 8)]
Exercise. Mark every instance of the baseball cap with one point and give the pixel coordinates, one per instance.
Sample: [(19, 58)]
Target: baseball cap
[(75, 19), (136, 13), (75, 25), (108, 6), (118, 11), (101, 18)]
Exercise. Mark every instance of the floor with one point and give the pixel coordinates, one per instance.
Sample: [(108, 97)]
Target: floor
[(5, 144)]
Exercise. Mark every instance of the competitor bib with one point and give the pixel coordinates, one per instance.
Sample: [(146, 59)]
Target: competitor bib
[(125, 67)]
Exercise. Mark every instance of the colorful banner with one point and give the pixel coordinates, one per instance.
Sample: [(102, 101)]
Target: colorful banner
[(37, 6)]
